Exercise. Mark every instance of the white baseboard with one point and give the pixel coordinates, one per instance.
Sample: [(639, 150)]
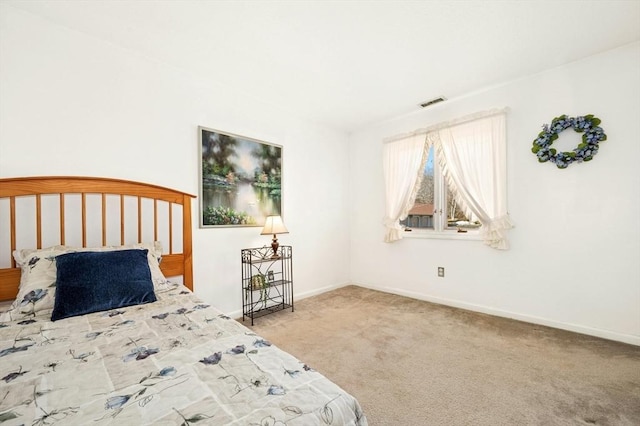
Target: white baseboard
[(296, 296), (605, 334)]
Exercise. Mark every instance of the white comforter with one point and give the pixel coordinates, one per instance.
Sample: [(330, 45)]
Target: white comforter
[(173, 362)]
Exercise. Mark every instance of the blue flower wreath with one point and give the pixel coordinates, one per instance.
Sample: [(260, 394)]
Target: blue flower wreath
[(592, 136)]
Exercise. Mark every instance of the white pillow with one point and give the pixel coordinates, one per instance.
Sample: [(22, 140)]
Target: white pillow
[(37, 282), (36, 293)]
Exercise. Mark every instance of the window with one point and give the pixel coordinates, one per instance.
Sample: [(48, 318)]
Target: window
[(436, 207), (449, 178)]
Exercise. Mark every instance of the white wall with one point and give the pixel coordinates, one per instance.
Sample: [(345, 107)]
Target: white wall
[(575, 256), (71, 104)]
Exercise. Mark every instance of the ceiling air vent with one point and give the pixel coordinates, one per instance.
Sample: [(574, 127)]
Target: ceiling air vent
[(432, 101)]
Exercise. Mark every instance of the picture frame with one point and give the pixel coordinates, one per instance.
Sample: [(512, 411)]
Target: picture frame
[(270, 276), (240, 179)]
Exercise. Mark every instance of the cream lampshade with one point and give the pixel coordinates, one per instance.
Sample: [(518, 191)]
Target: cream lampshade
[(274, 225)]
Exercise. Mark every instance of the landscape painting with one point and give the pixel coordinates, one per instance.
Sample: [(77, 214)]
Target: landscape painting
[(240, 180)]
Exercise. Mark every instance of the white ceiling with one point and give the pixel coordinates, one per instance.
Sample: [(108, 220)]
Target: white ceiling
[(349, 63)]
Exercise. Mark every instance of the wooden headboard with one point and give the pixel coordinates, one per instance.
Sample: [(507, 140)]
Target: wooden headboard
[(61, 188)]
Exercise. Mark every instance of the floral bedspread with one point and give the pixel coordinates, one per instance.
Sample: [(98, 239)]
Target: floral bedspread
[(177, 361)]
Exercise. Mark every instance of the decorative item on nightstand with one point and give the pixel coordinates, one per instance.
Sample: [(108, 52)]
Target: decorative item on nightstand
[(274, 225), (257, 282)]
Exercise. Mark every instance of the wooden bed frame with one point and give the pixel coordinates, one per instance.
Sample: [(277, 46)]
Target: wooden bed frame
[(173, 264)]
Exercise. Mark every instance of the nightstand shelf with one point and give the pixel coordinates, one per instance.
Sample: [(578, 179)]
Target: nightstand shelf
[(267, 281)]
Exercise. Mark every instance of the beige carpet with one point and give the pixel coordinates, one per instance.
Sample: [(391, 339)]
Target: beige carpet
[(411, 362)]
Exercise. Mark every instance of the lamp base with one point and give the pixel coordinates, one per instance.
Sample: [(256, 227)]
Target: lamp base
[(274, 247)]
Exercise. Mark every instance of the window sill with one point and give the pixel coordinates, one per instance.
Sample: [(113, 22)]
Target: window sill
[(443, 235)]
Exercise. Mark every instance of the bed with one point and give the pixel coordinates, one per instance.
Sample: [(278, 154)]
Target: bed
[(101, 326)]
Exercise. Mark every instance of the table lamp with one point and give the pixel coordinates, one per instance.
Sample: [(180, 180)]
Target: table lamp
[(274, 225)]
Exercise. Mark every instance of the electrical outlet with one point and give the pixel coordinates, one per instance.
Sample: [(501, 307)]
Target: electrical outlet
[(440, 271)]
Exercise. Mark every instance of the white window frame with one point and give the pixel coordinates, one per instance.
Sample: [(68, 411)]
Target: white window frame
[(484, 190), (440, 230)]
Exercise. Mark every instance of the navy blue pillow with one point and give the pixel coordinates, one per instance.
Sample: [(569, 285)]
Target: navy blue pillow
[(93, 281)]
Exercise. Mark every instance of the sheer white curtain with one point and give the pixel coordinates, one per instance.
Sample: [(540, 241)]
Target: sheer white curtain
[(473, 158), (403, 161)]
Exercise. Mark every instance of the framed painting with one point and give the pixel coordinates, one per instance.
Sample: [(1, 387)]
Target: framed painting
[(240, 180)]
